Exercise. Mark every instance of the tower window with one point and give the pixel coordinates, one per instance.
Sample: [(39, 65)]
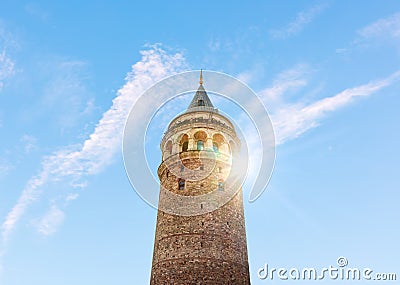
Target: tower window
[(201, 102), (215, 147), (221, 186), (167, 173), (182, 168), (168, 147), (200, 145), (202, 167), (185, 146), (181, 184)]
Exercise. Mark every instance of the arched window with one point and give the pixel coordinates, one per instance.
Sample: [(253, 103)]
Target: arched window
[(201, 102), (168, 147), (215, 147), (200, 145), (185, 146), (200, 137), (184, 142), (181, 184), (219, 144)]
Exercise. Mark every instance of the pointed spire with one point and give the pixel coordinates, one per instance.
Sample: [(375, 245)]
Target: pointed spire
[(201, 101)]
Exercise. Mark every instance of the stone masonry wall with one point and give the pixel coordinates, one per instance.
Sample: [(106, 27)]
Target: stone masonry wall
[(203, 249)]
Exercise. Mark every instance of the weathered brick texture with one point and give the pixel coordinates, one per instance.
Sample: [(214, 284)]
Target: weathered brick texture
[(207, 248)]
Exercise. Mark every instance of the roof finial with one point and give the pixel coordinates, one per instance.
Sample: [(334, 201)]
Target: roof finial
[(201, 76)]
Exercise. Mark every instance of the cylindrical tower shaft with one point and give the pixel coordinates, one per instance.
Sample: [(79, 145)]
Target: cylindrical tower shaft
[(202, 247)]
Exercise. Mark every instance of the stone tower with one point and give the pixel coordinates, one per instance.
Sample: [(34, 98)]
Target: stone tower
[(200, 235)]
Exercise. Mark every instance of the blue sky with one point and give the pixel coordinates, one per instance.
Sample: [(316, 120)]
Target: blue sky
[(328, 72)]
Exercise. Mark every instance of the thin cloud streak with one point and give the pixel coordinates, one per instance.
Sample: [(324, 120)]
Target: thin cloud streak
[(289, 80), (30, 194), (386, 27), (5, 167), (7, 68), (293, 120), (303, 18), (51, 221), (7, 64), (290, 120), (382, 31), (98, 151)]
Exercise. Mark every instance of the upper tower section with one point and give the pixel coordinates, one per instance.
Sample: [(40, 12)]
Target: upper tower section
[(201, 127)]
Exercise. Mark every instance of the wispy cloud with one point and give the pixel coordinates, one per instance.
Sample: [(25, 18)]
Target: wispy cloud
[(302, 19), (5, 167), (29, 194), (64, 95), (386, 27), (99, 149), (6, 67), (214, 44), (36, 12), (7, 64), (289, 80), (30, 142), (71, 197), (383, 31), (292, 120), (291, 117), (49, 223)]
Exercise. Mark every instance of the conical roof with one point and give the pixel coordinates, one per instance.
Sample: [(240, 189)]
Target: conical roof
[(201, 101)]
